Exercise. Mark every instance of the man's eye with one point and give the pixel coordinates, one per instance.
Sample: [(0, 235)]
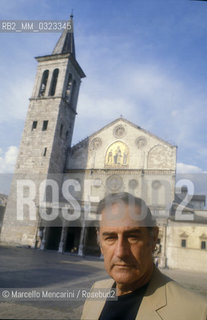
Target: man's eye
[(109, 239)]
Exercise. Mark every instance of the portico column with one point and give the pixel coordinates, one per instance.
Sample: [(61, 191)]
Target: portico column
[(82, 240), (42, 246), (163, 258), (62, 240)]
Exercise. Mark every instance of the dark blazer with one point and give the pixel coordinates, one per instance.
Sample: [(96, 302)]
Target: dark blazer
[(164, 299)]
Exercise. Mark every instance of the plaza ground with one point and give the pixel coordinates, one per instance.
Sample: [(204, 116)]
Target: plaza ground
[(49, 270)]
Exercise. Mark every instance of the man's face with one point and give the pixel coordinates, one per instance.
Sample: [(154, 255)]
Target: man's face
[(126, 245)]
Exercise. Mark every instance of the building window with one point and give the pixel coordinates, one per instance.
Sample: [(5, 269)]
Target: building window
[(68, 87), (54, 82), (203, 245), (45, 152), (183, 243), (45, 125), (34, 125), (66, 135), (43, 83), (61, 130)]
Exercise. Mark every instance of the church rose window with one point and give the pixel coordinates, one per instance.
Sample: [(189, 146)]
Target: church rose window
[(114, 183), (54, 82), (43, 83), (119, 131)]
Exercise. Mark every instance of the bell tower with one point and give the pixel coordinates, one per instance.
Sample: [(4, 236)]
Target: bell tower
[(48, 129), (52, 110)]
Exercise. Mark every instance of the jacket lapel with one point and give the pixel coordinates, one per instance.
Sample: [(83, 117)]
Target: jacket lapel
[(154, 298), (92, 309)]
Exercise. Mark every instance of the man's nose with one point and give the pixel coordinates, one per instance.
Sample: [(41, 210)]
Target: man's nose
[(122, 248)]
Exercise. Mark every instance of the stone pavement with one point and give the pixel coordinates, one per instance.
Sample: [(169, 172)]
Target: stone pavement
[(48, 270), (193, 281), (30, 268)]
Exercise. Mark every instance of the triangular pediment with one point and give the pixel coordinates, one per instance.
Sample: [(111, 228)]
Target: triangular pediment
[(184, 235), (111, 124), (122, 145)]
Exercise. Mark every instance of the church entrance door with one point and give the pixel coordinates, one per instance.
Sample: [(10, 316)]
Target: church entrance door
[(91, 246), (53, 238), (72, 239)]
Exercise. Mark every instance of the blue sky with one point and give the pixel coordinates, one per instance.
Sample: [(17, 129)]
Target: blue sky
[(144, 59)]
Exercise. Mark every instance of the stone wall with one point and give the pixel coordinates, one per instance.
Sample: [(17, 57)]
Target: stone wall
[(191, 257)]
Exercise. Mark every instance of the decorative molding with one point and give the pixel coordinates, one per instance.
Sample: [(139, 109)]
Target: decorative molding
[(160, 156), (156, 184), (141, 142), (97, 183), (203, 236), (161, 172), (96, 143), (133, 184), (184, 235)]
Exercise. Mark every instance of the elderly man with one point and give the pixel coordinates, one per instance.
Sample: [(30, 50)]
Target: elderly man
[(128, 236)]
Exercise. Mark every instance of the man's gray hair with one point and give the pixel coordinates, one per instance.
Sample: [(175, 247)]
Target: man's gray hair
[(131, 200)]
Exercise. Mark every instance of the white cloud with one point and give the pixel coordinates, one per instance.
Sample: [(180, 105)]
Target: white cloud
[(156, 96), (8, 159), (16, 95), (148, 95), (183, 168), (195, 178)]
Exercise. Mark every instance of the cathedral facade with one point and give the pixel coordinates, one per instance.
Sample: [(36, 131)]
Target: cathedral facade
[(121, 157)]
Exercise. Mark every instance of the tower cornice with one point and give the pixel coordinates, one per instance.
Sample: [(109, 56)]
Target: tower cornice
[(63, 56)]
